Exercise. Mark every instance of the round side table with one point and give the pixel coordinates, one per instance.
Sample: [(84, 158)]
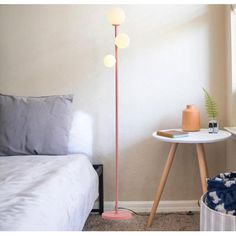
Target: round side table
[(198, 138)]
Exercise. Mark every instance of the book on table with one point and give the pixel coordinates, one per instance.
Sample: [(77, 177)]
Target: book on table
[(172, 133)]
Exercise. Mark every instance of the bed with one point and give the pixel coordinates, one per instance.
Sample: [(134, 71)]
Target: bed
[(47, 180), (46, 192)]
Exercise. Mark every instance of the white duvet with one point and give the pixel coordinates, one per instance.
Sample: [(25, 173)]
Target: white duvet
[(46, 192)]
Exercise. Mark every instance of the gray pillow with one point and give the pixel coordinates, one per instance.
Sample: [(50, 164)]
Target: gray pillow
[(35, 125)]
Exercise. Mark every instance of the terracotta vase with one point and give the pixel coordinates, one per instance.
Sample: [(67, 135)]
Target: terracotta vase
[(191, 119)]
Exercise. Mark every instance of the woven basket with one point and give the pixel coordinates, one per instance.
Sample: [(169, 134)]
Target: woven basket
[(211, 220)]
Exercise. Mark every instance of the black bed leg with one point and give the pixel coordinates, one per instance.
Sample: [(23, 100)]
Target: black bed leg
[(99, 170), (101, 198)]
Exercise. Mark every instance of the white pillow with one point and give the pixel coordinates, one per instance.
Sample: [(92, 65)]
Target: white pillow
[(81, 134)]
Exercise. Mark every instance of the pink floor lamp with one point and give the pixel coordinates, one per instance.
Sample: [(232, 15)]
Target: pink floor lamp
[(116, 16)]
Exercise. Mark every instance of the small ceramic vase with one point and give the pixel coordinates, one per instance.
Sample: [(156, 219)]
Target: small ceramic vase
[(191, 119)]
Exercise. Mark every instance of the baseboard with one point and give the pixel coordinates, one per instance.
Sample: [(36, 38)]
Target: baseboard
[(164, 206)]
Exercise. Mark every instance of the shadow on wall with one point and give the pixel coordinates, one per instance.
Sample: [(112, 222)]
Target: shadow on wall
[(217, 85)]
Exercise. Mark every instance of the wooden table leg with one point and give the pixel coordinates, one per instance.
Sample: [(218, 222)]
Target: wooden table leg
[(202, 165), (162, 182)]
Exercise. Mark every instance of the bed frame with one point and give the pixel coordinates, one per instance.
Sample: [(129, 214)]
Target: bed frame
[(99, 170)]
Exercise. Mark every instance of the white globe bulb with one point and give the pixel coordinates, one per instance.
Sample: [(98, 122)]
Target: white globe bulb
[(122, 40), (116, 16), (109, 61)]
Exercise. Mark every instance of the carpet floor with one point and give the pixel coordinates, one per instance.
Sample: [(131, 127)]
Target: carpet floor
[(162, 222)]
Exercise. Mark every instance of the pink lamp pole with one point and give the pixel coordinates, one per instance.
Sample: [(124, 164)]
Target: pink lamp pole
[(119, 41), (117, 120)]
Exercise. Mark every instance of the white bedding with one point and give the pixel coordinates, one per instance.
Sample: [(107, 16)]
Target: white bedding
[(46, 192)]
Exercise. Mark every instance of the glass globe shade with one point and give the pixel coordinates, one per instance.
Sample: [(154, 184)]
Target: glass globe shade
[(122, 40), (116, 16), (109, 61)]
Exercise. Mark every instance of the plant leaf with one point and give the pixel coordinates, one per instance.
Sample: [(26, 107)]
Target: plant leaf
[(211, 106)]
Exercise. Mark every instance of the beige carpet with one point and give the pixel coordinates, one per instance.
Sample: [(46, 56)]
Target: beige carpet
[(162, 222)]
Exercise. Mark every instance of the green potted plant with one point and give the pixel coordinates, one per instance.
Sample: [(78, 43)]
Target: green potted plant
[(212, 111)]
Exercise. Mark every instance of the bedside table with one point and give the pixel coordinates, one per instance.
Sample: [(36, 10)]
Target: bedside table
[(99, 170), (199, 138)]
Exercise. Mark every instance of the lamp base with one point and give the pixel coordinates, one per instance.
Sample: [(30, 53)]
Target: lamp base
[(119, 215)]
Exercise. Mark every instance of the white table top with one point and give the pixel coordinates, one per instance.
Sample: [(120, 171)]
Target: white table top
[(201, 136)]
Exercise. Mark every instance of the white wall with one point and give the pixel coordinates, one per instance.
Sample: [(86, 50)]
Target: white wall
[(174, 52), (231, 88)]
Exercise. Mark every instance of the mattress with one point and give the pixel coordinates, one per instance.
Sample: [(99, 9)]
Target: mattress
[(46, 192)]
